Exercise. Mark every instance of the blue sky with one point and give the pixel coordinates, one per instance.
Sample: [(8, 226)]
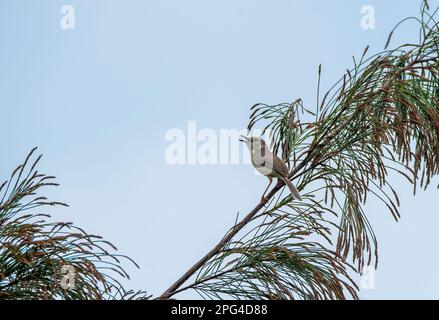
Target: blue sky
[(98, 101)]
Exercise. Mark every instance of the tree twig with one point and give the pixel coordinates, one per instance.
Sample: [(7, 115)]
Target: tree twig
[(174, 287)]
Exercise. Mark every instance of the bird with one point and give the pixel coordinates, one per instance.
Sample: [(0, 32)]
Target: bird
[(269, 164)]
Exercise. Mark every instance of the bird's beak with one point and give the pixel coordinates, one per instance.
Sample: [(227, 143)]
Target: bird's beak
[(243, 139)]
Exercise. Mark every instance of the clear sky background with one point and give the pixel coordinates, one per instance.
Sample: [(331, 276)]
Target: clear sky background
[(99, 99)]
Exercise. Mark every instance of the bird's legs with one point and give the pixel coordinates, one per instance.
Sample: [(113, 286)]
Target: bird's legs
[(263, 199)]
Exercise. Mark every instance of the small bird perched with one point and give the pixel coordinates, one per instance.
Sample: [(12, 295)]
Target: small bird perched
[(268, 164)]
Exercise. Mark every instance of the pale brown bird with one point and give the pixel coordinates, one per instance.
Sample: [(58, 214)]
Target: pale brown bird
[(268, 164)]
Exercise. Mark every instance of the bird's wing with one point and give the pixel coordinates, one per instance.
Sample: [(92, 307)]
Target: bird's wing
[(279, 166), (265, 161)]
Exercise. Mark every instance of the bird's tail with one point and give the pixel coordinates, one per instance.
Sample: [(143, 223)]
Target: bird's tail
[(293, 189)]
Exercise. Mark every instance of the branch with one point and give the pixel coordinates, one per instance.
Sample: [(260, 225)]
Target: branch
[(229, 236)]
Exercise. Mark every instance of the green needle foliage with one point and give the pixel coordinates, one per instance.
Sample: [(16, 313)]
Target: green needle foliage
[(274, 260), (381, 118), (33, 251)]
